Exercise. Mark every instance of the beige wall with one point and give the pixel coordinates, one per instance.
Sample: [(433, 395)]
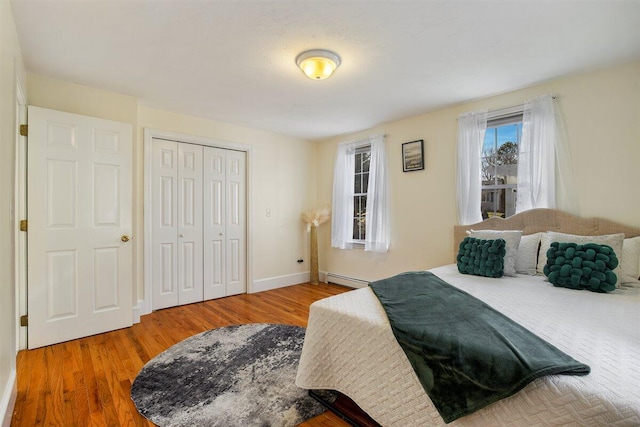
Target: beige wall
[(283, 177), (11, 69), (602, 112), (283, 180)]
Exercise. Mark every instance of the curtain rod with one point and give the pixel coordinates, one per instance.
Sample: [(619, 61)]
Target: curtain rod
[(364, 141), (507, 111)]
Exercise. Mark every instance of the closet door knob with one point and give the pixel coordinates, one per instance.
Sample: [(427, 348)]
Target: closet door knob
[(221, 234), (181, 235), (124, 238)]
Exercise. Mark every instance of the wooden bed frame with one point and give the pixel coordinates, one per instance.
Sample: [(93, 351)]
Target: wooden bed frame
[(536, 220)]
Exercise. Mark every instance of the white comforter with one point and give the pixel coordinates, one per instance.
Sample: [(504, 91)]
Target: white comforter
[(349, 347)]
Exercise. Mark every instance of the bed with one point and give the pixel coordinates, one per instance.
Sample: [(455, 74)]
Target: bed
[(350, 347)]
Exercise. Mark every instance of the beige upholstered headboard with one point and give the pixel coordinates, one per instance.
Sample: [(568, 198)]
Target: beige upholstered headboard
[(536, 220)]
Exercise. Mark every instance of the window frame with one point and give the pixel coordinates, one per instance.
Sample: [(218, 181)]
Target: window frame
[(495, 121), (361, 149)]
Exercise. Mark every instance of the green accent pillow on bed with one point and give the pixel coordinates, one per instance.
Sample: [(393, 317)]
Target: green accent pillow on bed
[(481, 257), (589, 266)]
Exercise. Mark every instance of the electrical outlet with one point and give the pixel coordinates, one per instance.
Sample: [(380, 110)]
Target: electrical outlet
[(300, 261), (268, 212)]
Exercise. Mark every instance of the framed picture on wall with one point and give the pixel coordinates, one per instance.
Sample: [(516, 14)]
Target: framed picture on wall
[(412, 156)]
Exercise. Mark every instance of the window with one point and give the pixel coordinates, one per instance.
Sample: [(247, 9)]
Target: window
[(360, 208), (488, 174), (499, 166), (360, 189)]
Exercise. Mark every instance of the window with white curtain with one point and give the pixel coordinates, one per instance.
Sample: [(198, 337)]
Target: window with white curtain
[(513, 160), (360, 209)]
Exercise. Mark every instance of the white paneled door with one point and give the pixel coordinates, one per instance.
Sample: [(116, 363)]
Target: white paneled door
[(235, 224), (215, 220), (189, 223), (176, 223), (79, 212), (224, 222)]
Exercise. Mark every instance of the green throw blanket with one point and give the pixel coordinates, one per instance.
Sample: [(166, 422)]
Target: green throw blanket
[(466, 354)]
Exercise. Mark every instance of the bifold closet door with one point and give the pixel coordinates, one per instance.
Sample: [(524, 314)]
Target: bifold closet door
[(224, 223), (177, 223)]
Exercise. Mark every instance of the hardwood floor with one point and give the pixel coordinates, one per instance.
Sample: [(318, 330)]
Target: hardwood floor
[(86, 382)]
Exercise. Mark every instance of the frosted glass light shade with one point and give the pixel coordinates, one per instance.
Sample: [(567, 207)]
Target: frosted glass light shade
[(318, 64)]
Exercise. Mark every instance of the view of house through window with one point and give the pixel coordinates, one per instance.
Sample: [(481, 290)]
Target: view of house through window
[(499, 167), (361, 187)]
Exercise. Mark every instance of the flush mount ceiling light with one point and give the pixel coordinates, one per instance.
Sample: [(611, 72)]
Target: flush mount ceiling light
[(318, 64)]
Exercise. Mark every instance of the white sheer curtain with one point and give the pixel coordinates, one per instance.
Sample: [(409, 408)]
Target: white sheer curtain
[(545, 172), (471, 130), (342, 206), (377, 231)]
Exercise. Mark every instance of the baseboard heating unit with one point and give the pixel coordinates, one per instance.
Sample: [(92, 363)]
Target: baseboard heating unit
[(350, 282)]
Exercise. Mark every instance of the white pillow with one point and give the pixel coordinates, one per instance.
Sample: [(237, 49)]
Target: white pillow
[(630, 262), (527, 257), (613, 240), (512, 239)]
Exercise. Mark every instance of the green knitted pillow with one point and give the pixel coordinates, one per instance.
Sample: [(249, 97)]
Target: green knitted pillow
[(481, 257), (589, 266)]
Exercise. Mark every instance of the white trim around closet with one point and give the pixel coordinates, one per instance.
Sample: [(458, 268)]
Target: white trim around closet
[(144, 304)]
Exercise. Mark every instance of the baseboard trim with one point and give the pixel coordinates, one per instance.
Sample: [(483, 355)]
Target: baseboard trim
[(342, 280), (9, 399), (278, 282), (260, 285)]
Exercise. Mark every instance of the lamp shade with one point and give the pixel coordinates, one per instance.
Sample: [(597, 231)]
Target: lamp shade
[(318, 64)]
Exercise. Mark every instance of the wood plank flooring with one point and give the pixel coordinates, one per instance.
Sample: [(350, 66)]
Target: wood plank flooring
[(86, 382)]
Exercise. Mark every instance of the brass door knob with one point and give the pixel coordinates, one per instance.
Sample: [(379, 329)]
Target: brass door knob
[(125, 238)]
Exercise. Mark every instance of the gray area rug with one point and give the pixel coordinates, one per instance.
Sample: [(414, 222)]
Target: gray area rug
[(241, 375)]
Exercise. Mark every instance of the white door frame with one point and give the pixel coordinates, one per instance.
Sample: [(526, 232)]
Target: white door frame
[(145, 304), (20, 213)]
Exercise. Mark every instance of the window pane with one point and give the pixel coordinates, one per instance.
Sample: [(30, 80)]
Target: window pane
[(358, 162), (499, 202), (488, 167), (489, 143), (356, 230), (507, 174), (359, 219), (366, 158), (510, 201), (489, 203), (365, 182), (357, 186)]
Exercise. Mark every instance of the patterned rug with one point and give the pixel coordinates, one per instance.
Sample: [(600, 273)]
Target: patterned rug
[(240, 375)]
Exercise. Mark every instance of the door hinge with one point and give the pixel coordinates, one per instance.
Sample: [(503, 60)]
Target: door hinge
[(23, 225), (24, 130), (24, 320)]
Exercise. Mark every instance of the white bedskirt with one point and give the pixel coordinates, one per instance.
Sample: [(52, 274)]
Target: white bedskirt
[(349, 347)]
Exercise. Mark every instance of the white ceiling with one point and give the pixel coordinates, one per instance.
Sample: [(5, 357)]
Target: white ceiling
[(234, 61)]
